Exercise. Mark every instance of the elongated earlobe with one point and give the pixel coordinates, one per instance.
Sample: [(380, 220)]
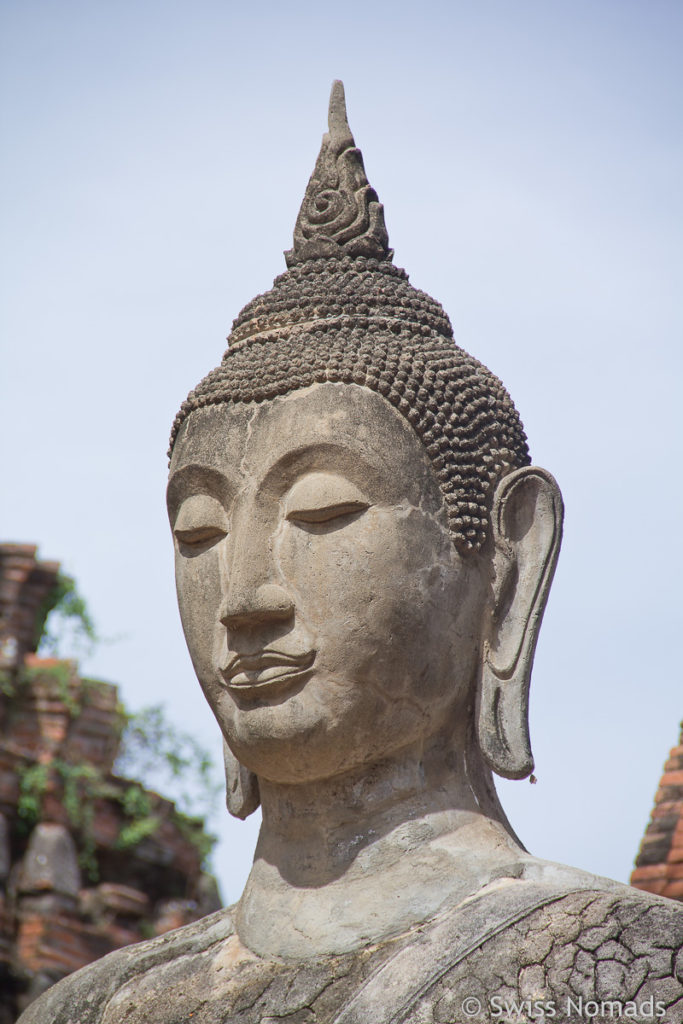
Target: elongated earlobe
[(241, 786), (526, 521)]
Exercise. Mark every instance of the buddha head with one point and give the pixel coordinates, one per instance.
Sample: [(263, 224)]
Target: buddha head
[(363, 550)]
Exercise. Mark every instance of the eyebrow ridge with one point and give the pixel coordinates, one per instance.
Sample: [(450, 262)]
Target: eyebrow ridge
[(355, 463), (197, 478)]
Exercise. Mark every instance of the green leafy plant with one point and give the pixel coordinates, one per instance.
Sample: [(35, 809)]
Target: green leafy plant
[(169, 760), (7, 683), (135, 801), (134, 833), (63, 619), (33, 782), (62, 673), (137, 806), (193, 829), (152, 750), (81, 785)]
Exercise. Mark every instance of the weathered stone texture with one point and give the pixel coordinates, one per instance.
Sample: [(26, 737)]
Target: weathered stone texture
[(588, 947), (549, 955)]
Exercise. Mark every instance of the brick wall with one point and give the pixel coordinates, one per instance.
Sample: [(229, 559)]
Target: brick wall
[(24, 584), (659, 864), (69, 890)]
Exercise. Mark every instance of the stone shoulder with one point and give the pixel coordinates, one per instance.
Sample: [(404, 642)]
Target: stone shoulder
[(82, 997), (618, 951), (496, 958)]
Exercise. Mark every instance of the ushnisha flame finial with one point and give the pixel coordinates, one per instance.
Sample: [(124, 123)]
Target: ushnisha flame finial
[(341, 214)]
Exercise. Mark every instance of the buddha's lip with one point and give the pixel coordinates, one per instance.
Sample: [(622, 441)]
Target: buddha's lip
[(264, 670)]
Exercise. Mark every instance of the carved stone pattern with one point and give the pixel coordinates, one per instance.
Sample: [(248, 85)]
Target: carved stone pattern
[(320, 289), (586, 947), (340, 214), (359, 321)]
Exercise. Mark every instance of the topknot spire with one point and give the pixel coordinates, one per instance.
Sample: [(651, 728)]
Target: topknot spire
[(341, 214)]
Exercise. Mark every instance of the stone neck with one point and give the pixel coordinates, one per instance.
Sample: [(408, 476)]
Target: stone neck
[(333, 820), (364, 856)]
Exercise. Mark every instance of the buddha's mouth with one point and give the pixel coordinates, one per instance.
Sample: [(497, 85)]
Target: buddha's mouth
[(253, 674)]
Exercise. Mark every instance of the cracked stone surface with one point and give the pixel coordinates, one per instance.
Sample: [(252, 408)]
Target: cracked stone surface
[(587, 947), (202, 974)]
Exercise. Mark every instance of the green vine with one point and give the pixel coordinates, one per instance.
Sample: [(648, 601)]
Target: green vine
[(150, 746), (134, 833), (7, 683), (32, 788), (135, 802), (169, 760), (64, 610), (151, 749), (81, 785), (194, 831), (62, 674), (137, 806)]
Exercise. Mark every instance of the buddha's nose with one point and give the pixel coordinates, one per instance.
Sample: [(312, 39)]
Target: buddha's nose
[(252, 591), (243, 608)]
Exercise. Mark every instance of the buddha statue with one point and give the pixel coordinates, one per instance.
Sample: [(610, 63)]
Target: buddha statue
[(363, 556)]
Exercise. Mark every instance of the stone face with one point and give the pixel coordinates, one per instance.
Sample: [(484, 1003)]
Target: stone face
[(361, 482), (363, 557)]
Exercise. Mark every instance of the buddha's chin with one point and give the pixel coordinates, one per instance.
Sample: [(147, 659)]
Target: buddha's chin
[(304, 737), (289, 741)]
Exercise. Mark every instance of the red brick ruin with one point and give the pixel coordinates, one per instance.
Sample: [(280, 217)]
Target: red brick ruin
[(70, 890), (659, 864)]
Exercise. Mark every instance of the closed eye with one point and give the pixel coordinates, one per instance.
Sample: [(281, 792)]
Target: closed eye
[(198, 539), (201, 522), (326, 513), (324, 500)]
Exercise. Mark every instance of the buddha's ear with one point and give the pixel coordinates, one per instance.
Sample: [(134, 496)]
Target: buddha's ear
[(526, 521), (242, 795)]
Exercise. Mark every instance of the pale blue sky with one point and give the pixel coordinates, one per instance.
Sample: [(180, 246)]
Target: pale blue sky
[(529, 158)]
